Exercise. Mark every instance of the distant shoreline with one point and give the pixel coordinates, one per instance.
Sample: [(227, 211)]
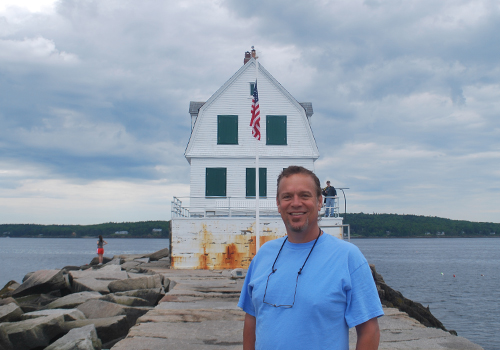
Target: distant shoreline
[(352, 237), (106, 237), (424, 237)]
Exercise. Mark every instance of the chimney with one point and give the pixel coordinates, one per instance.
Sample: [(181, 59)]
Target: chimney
[(254, 54), (247, 57)]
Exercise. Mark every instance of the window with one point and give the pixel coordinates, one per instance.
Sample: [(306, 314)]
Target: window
[(276, 130), (227, 129), (252, 87), (215, 182), (251, 182)]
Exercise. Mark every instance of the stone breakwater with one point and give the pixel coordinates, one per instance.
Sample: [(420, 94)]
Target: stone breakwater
[(138, 303), (81, 307)]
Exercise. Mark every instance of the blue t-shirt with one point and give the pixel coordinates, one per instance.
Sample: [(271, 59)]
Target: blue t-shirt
[(335, 291)]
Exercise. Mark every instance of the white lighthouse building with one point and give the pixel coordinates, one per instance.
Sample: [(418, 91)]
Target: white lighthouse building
[(215, 228)]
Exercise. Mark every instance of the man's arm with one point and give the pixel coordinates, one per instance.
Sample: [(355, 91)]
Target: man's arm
[(368, 335), (249, 332)]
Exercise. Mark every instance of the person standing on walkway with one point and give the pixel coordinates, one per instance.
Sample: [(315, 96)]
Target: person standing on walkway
[(330, 193), (305, 290), (100, 248)]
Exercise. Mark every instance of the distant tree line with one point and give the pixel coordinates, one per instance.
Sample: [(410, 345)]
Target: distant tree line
[(361, 224), (394, 225), (142, 229)]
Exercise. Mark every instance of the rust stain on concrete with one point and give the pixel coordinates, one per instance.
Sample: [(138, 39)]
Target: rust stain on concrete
[(227, 251)]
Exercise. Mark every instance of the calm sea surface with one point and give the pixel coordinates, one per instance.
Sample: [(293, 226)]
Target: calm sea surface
[(19, 256), (458, 278)]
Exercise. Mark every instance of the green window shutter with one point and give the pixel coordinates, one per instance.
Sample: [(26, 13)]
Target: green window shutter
[(215, 182), (227, 129), (250, 179), (276, 130), (262, 182)]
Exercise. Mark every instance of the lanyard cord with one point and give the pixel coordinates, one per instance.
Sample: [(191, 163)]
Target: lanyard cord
[(300, 271)]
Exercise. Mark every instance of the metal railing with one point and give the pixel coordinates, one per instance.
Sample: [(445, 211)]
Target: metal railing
[(197, 207), (178, 211)]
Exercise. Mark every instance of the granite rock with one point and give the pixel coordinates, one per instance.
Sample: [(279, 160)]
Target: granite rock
[(42, 281), (125, 300), (95, 260), (115, 261), (84, 338), (160, 264), (10, 313), (9, 287), (146, 282), (94, 309), (72, 300), (107, 272), (7, 300), (31, 334), (152, 296), (162, 253), (36, 302), (130, 265), (392, 298), (108, 329), (68, 314), (90, 284)]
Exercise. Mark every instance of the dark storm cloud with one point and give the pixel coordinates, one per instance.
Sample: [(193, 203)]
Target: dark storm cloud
[(405, 94)]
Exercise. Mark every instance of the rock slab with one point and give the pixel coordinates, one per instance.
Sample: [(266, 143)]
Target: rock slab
[(73, 300), (146, 282), (42, 281), (10, 313), (108, 329), (30, 334), (84, 338)]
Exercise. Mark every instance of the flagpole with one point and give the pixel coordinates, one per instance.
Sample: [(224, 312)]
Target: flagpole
[(257, 175)]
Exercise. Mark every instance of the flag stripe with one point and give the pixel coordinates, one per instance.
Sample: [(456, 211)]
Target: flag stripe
[(255, 120)]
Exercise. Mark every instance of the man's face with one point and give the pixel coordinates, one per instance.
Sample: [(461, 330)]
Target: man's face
[(297, 202)]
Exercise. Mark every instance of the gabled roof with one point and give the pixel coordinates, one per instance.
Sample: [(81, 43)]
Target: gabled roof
[(197, 108), (194, 108)]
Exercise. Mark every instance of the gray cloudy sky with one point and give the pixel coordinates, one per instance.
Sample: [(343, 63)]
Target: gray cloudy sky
[(94, 100)]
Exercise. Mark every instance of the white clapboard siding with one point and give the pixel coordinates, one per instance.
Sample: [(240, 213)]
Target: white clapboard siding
[(234, 99), (236, 173), (220, 232)]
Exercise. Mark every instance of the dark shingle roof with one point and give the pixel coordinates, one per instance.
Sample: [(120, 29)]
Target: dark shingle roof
[(194, 107), (308, 107)]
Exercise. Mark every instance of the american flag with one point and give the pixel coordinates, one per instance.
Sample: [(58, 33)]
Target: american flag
[(255, 121)]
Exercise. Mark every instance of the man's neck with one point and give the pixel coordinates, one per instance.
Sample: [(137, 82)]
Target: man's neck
[(304, 237)]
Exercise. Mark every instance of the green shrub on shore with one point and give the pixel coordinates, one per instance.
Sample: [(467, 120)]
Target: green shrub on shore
[(142, 229), (395, 225)]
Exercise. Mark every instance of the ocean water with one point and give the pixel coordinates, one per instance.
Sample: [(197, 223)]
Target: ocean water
[(458, 278), (18, 256)]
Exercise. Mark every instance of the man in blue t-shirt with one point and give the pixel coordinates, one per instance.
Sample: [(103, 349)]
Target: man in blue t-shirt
[(305, 290)]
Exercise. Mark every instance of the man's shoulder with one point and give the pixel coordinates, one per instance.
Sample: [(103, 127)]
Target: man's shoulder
[(271, 246), (273, 243), (343, 245)]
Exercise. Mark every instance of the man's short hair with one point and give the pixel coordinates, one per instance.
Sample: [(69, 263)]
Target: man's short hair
[(295, 169)]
